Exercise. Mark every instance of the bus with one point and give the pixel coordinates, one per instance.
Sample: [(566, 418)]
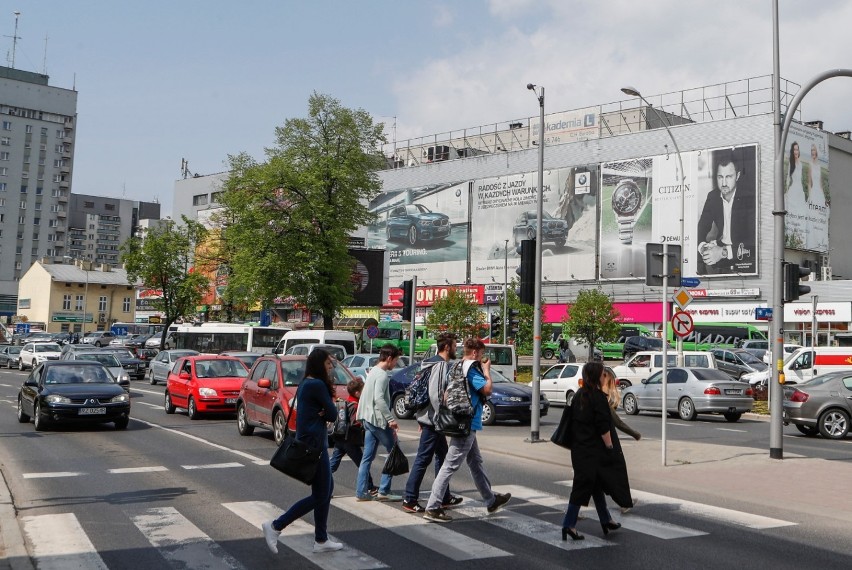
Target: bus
[(120, 329), (213, 338), (707, 336), (398, 334)]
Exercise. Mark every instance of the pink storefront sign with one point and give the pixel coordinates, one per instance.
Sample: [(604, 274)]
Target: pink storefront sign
[(630, 312)]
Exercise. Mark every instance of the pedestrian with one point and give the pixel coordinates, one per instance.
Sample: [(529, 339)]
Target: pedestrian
[(352, 442), (610, 388), (432, 444), (460, 449), (598, 465), (380, 425), (315, 407)]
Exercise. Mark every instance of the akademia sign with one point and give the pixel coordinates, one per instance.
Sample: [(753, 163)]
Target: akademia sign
[(428, 294)]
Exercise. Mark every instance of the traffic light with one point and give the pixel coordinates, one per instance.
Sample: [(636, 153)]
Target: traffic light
[(407, 299), (793, 273), (496, 325), (526, 272), (514, 322)]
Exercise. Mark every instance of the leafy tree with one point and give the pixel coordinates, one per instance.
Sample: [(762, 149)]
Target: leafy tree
[(163, 260), (290, 217), (456, 313), (524, 340), (592, 318)]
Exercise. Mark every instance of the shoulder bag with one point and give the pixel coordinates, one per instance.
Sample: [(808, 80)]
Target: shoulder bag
[(562, 435), (293, 457)]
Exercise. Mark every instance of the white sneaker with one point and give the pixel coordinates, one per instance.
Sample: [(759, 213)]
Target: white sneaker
[(327, 546), (271, 536)]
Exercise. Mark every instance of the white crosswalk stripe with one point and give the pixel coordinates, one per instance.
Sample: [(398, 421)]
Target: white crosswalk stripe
[(58, 542)]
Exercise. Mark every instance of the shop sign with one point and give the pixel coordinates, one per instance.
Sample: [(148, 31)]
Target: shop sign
[(826, 312)]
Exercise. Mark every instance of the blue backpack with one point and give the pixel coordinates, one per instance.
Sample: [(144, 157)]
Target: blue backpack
[(417, 393)]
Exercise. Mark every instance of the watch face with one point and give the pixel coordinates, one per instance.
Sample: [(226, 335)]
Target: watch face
[(626, 198)]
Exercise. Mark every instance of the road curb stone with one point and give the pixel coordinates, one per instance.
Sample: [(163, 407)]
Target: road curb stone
[(13, 551)]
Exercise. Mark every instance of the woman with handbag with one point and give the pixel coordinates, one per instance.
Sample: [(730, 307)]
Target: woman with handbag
[(315, 396)]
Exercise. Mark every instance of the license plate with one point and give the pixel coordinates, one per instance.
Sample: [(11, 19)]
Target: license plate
[(92, 411), (230, 400), (733, 391)]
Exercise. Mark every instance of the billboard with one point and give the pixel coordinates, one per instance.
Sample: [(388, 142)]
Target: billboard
[(369, 277), (806, 193), (566, 126)]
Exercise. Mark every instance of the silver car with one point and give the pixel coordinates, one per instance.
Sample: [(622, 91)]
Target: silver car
[(691, 391), (158, 369), (360, 364), (109, 361), (821, 405)]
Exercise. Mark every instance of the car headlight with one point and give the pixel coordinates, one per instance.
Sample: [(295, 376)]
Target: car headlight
[(56, 399), (207, 392), (122, 377), (120, 399)]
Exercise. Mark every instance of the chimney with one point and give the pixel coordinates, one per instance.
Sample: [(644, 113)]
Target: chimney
[(105, 267), (814, 124), (844, 134)]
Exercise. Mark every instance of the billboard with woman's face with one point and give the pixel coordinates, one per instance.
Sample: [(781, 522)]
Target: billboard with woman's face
[(806, 193)]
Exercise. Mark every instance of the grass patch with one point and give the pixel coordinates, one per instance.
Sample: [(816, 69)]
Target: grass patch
[(761, 407)]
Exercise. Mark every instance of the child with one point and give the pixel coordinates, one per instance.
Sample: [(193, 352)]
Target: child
[(352, 443)]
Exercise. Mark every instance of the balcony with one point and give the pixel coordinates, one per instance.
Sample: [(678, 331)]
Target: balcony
[(61, 214), (64, 183), (65, 169)]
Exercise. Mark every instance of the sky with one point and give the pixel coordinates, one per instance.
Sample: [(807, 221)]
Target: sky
[(163, 80)]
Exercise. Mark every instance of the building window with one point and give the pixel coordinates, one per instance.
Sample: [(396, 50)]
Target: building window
[(44, 131), (21, 219), (88, 204), (36, 221), (198, 200), (66, 302), (29, 129), (23, 205), (102, 304), (60, 134), (24, 189), (109, 206), (2, 202), (78, 303), (35, 236), (5, 141), (7, 125), (53, 223), (125, 305), (3, 171), (4, 155)]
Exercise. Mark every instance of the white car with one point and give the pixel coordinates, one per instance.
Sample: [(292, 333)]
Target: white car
[(642, 364), (560, 382), (34, 353)]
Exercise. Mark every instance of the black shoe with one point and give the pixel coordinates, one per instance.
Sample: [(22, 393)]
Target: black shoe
[(454, 500), (566, 532), (500, 499), (437, 515), (412, 507), (611, 525)]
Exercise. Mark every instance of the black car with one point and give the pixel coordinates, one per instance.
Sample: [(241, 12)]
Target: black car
[(72, 391), (134, 367), (553, 229), (9, 356), (509, 400), (416, 222), (137, 341), (634, 344)]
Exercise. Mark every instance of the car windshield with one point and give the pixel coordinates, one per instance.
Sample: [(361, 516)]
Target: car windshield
[(247, 359), (294, 372), (710, 375), (416, 209), (126, 354), (47, 348), (818, 380), (108, 360), (220, 368), (749, 358), (14, 349), (497, 378), (78, 375)]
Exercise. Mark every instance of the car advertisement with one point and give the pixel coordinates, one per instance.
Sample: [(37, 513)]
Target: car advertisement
[(425, 231), (504, 214), (806, 193)]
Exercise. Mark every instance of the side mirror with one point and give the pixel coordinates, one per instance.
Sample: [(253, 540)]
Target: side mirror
[(264, 383), (184, 375), (645, 380), (30, 382)]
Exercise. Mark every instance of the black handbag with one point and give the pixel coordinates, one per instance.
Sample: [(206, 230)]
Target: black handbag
[(562, 435), (296, 458), (397, 462), (451, 424)]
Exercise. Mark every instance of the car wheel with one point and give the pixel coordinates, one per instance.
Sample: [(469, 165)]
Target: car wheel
[(733, 416), (686, 410), (278, 425), (834, 424), (192, 409), (548, 353), (809, 431), (121, 424), (412, 235), (243, 425), (631, 407), (489, 415), (151, 378), (20, 364), (22, 417), (569, 397), (98, 344), (9, 364), (39, 420), (399, 408), (167, 403)]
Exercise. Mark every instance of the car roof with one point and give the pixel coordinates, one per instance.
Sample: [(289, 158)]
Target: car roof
[(50, 363), (238, 353)]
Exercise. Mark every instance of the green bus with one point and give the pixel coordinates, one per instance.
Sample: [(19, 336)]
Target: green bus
[(611, 350), (707, 336), (398, 333)]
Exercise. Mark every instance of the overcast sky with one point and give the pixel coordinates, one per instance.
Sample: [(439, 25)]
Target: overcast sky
[(162, 80)]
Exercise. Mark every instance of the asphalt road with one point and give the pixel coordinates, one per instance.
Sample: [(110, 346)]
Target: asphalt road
[(173, 493)]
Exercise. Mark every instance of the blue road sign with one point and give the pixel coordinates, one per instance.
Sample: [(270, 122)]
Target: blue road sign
[(690, 281), (763, 314), (372, 331)]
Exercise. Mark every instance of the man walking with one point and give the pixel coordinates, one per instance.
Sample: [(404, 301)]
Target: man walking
[(478, 375), (432, 444)]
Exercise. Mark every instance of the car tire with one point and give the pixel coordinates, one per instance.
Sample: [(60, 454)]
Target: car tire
[(243, 425), (38, 419), (121, 424), (278, 427), (630, 405), (399, 408), (20, 364), (412, 235), (151, 377), (192, 409), (22, 417), (834, 423), (733, 417), (9, 364), (98, 344), (809, 431), (686, 409), (168, 406), (489, 414), (548, 353), (569, 397)]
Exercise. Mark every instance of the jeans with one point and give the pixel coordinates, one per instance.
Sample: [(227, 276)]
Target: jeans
[(461, 449), (373, 437), (354, 452), (570, 520), (318, 502), (432, 444)]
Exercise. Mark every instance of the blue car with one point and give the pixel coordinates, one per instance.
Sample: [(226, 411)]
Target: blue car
[(416, 222), (508, 401)]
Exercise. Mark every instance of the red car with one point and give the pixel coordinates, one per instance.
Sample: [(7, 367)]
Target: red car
[(204, 383), (267, 394)]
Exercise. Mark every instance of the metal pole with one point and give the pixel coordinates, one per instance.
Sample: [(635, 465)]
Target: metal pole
[(536, 368), (814, 302), (505, 290), (413, 317), (665, 345)]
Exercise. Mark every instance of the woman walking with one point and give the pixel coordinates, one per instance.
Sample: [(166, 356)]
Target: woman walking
[(598, 467), (315, 405)]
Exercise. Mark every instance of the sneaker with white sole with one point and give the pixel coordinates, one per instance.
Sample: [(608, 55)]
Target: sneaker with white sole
[(437, 515), (500, 499), (327, 546), (271, 536)]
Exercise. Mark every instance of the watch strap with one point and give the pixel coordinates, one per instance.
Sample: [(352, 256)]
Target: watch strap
[(625, 229)]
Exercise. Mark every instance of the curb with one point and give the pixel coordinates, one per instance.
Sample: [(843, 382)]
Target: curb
[(13, 552)]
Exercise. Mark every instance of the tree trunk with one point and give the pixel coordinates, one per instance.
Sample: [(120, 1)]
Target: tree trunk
[(327, 321)]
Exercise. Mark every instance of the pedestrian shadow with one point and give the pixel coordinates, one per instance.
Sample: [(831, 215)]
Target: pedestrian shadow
[(124, 498)]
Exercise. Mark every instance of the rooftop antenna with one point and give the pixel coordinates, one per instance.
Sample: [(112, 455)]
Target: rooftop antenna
[(44, 60), (15, 39)]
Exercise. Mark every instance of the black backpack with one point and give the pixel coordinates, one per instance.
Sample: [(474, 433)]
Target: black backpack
[(417, 393), (342, 420)]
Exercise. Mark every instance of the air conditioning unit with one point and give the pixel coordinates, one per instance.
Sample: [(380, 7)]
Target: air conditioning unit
[(826, 273)]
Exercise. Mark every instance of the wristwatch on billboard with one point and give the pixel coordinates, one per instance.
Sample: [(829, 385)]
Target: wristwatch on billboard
[(626, 201)]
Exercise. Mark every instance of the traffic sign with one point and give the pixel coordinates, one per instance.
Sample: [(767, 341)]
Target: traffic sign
[(372, 331), (682, 324), (763, 314), (690, 281), (682, 298)]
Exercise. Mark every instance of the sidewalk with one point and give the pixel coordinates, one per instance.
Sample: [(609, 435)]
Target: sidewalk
[(13, 553)]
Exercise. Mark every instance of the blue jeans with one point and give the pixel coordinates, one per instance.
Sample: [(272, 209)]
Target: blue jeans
[(570, 520), (318, 502), (354, 452), (461, 449), (432, 444), (374, 436)]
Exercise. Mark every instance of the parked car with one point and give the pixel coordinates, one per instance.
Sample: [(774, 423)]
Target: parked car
[(34, 353), (360, 364), (134, 367), (137, 341), (9, 355), (76, 348), (161, 365), (335, 350), (416, 222), (691, 391), (805, 363), (72, 391), (109, 361), (267, 393), (552, 229), (120, 340), (737, 362), (560, 382), (145, 355), (634, 344), (247, 358), (821, 405), (204, 383), (98, 338), (642, 364)]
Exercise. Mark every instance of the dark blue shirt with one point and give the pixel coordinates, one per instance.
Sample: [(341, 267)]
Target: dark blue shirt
[(312, 399)]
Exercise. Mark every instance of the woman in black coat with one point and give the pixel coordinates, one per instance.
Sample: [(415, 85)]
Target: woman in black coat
[(597, 460)]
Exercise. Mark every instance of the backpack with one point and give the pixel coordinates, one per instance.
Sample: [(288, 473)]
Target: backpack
[(342, 421), (417, 393), (456, 394)]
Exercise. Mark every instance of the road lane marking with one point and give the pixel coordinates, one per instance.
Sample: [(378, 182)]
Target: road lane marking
[(150, 405), (643, 525), (299, 536), (434, 536), (151, 469), (180, 542), (213, 466), (733, 430), (59, 542), (253, 458), (52, 474), (7, 385)]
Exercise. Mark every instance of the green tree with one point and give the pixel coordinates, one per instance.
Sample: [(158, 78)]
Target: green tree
[(592, 318), (162, 260), (456, 313), (524, 339), (290, 217)]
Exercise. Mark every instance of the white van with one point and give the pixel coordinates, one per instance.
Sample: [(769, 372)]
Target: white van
[(503, 357), (807, 362), (644, 363), (345, 339)]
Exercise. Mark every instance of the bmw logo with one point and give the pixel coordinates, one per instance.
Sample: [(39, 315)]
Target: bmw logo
[(581, 180), (458, 192)]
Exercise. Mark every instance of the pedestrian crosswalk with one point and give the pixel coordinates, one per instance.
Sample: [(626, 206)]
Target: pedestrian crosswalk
[(185, 537)]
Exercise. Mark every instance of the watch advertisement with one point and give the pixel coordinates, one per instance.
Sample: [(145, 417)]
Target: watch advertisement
[(806, 193), (625, 218), (504, 213)]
